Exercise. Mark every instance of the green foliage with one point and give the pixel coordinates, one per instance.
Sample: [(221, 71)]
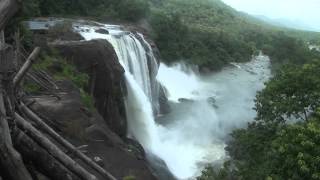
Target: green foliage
[(293, 92), (170, 33), (284, 49), (286, 152), (44, 63), (296, 151), (210, 34), (69, 71), (207, 48), (196, 31), (62, 70), (87, 100), (249, 149), (131, 10), (210, 173), (31, 87)]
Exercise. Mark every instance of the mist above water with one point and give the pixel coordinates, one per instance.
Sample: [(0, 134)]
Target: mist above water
[(196, 129), (205, 109)]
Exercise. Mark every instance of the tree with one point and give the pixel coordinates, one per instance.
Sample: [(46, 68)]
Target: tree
[(294, 93), (296, 151), (133, 10)]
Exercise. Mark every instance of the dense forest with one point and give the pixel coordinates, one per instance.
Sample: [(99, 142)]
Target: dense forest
[(211, 34), (207, 33), (283, 141)]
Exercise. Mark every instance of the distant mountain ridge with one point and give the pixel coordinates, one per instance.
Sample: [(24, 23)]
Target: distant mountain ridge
[(287, 23)]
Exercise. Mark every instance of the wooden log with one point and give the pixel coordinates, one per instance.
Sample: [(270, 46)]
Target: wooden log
[(75, 151), (10, 160), (40, 158), (26, 66), (7, 9), (38, 81), (2, 40), (53, 149), (49, 79), (6, 59)]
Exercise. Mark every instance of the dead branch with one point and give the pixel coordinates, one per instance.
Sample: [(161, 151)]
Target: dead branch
[(26, 66), (10, 160), (7, 9), (40, 158), (53, 149), (43, 126)]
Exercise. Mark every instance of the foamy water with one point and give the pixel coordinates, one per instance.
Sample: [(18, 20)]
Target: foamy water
[(204, 109)]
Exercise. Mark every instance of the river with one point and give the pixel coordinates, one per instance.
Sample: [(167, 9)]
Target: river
[(195, 132), (204, 109)]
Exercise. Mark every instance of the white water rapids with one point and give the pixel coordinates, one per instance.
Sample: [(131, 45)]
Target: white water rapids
[(204, 109), (196, 130)]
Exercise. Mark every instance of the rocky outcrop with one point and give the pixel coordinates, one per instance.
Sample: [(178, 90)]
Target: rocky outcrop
[(88, 130), (98, 59), (163, 101)]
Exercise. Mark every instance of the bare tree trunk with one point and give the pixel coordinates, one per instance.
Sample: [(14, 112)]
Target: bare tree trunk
[(7, 9), (53, 149), (26, 66), (2, 41), (41, 159), (43, 126), (10, 160)]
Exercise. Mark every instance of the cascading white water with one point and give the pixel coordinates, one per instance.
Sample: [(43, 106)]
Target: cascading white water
[(177, 88), (204, 109), (218, 103), (133, 58), (153, 69)]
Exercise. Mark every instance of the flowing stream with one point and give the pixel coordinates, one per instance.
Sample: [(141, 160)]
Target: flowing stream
[(204, 109), (210, 107)]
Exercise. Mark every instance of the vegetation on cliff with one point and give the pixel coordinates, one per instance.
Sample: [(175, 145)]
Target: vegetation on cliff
[(60, 70)]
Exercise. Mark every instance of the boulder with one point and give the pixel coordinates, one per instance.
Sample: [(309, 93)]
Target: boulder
[(185, 100), (98, 59), (163, 101), (69, 117), (102, 31)]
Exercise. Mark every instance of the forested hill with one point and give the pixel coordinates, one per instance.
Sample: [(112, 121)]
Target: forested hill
[(211, 34), (204, 32)]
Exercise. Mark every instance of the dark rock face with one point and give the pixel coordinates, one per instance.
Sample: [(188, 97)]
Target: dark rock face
[(163, 101), (69, 117), (102, 31), (98, 59)]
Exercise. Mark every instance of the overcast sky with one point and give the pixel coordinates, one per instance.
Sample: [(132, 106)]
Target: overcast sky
[(304, 11)]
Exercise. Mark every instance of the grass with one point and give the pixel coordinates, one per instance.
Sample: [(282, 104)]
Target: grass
[(60, 69), (129, 178), (31, 87)]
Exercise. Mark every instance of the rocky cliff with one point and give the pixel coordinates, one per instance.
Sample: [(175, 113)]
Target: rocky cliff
[(98, 59), (101, 133)]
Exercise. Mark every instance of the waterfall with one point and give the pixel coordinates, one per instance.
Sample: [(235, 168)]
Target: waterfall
[(153, 65), (205, 110), (136, 57)]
